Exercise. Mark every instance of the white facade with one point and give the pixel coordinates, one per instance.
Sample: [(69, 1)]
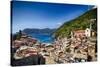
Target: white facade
[(88, 32)]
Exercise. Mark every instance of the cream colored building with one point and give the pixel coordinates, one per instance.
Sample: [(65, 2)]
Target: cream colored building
[(88, 32)]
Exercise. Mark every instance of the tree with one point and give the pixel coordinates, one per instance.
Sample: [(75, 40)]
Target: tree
[(19, 34)]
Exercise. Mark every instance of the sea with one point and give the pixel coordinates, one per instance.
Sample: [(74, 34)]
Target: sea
[(43, 38)]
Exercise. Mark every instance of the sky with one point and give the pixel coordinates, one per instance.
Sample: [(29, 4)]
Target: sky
[(43, 15)]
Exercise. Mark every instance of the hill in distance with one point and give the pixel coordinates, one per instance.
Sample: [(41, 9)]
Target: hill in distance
[(46, 31)]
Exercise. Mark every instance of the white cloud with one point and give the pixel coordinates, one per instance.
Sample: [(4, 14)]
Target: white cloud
[(94, 7), (59, 23)]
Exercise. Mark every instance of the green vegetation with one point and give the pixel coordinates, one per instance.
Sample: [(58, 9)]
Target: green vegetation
[(17, 36), (81, 22)]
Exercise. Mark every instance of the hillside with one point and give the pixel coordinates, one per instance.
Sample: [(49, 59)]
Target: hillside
[(81, 22), (45, 31)]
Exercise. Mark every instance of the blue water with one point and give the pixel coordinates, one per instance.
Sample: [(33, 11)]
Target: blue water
[(43, 38)]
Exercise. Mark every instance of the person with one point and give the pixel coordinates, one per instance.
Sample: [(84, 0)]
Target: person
[(41, 59), (89, 58)]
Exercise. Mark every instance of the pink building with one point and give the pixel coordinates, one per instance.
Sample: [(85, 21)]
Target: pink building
[(79, 33)]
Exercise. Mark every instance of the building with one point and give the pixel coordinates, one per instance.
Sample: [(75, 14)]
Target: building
[(81, 33), (88, 32), (78, 33)]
